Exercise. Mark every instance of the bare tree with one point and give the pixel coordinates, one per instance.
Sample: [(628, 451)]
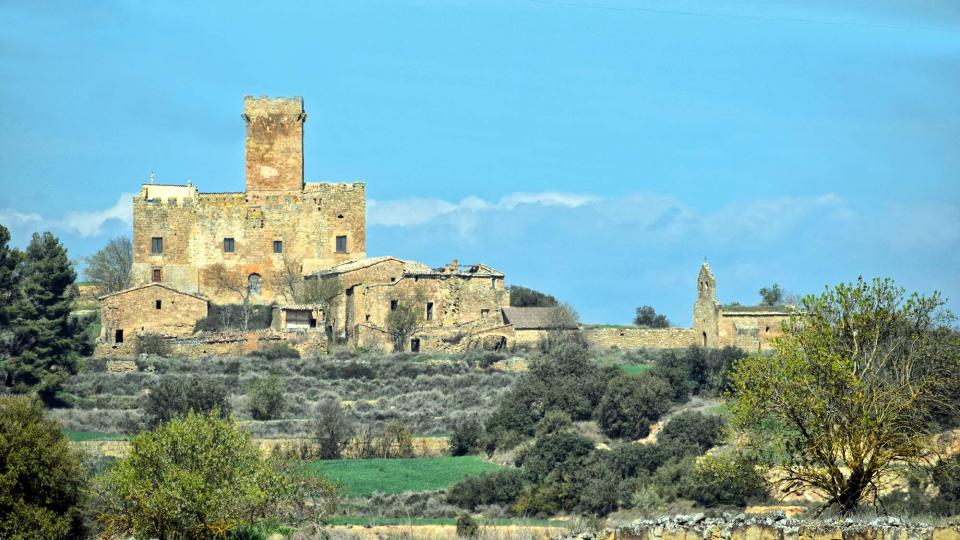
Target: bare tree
[(233, 281), (109, 268), (290, 282), (405, 319)]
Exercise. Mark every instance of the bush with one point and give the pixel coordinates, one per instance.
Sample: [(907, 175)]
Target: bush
[(558, 452), (466, 437), (153, 344), (631, 403), (723, 481), (43, 478), (695, 430), (208, 466), (333, 429), (467, 527), (553, 422), (501, 487), (175, 397), (276, 352), (266, 398), (946, 476), (632, 460)]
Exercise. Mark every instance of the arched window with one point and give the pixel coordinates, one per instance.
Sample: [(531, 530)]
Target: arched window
[(253, 284), (704, 339)]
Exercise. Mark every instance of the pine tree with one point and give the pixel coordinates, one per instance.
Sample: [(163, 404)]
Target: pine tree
[(9, 290), (46, 342)]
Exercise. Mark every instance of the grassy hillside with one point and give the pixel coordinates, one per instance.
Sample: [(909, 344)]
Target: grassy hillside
[(363, 477)]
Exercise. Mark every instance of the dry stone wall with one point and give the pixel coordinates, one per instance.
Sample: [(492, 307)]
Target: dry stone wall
[(633, 337), (773, 527)]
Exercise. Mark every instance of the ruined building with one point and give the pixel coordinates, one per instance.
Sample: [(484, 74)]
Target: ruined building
[(193, 248), (182, 237)]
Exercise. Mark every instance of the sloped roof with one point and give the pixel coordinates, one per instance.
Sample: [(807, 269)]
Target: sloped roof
[(535, 318), (161, 285), (412, 268), (779, 309)]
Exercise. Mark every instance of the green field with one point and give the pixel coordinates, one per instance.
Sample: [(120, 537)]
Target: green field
[(374, 521), (362, 477), (80, 436), (635, 369)]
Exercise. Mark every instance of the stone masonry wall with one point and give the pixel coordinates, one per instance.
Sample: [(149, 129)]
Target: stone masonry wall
[(772, 527), (750, 332), (215, 344), (193, 229), (626, 337), (274, 143), (155, 309)]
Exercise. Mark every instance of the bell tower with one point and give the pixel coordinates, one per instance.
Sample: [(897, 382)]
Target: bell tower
[(274, 143), (706, 311)]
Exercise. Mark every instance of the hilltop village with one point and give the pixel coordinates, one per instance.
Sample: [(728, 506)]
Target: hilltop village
[(266, 245)]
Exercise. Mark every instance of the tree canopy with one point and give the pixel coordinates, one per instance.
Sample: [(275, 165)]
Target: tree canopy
[(109, 268), (524, 297), (647, 316), (45, 343), (852, 388)]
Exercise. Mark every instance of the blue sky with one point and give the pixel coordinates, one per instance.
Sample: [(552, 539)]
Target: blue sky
[(598, 150)]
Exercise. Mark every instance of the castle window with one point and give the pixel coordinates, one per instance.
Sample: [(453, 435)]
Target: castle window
[(429, 311), (393, 305), (156, 245), (254, 284), (118, 336), (278, 246), (228, 245), (415, 345), (157, 275), (157, 304), (341, 244), (484, 313)]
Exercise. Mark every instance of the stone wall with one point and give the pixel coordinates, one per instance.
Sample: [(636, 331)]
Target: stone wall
[(772, 527), (274, 143), (633, 337), (750, 331), (152, 309), (277, 206), (213, 344)]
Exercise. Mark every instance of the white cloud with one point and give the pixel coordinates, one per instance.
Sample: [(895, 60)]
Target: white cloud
[(88, 224), (417, 211), (11, 217)]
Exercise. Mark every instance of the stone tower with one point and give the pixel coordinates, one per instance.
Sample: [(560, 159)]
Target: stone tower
[(706, 311), (274, 143)]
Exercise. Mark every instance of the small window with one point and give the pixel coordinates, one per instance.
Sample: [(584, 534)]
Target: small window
[(157, 304), (118, 336), (157, 275), (393, 305), (429, 311), (341, 244), (156, 245), (415, 345), (228, 245), (484, 313), (368, 317), (278, 246)]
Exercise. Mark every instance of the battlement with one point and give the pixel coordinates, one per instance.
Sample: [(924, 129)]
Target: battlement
[(255, 107)]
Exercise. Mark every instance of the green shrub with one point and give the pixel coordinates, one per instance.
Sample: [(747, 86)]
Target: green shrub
[(557, 452), (467, 527), (333, 429), (728, 481), (631, 403), (553, 422), (42, 479), (277, 351), (692, 429), (208, 466), (266, 398), (632, 460), (153, 344), (466, 437), (174, 397), (501, 487)]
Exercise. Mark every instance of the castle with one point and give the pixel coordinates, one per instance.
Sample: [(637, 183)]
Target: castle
[(193, 248)]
